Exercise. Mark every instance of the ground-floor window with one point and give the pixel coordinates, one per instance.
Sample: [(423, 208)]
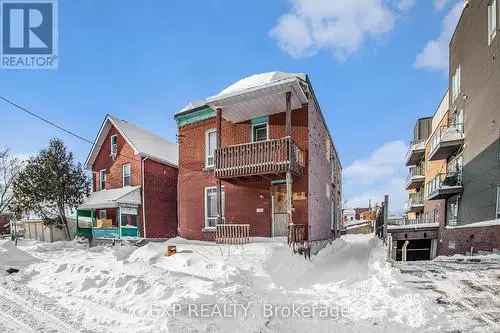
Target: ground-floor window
[(211, 209), (129, 217), (452, 211)]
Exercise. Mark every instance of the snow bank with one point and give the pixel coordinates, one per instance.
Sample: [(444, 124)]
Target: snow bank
[(113, 289), (11, 256)]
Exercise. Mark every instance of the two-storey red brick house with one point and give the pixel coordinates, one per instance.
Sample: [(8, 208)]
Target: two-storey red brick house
[(260, 153), (134, 175)]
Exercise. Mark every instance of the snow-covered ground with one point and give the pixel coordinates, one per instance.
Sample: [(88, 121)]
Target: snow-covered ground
[(259, 287)]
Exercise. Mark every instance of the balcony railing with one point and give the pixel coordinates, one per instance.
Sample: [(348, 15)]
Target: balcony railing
[(416, 199), (259, 158), (415, 152), (446, 140), (416, 177), (444, 185), (418, 221)]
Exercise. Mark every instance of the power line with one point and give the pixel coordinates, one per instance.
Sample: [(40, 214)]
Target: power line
[(51, 123), (33, 114)]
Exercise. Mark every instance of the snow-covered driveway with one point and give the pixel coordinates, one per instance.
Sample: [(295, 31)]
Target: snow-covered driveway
[(260, 287)]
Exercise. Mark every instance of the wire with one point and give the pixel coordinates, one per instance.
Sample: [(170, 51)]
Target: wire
[(51, 123), (19, 107)]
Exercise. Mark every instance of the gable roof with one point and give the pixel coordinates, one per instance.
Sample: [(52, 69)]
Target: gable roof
[(143, 142)]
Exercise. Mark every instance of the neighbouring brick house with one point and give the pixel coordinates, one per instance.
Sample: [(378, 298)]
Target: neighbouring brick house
[(454, 160), (134, 181), (260, 153)]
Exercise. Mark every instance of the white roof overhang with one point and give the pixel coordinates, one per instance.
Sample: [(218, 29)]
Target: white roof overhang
[(124, 196), (260, 101)]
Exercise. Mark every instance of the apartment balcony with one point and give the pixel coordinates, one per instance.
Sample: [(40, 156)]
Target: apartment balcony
[(444, 185), (415, 202), (446, 141), (416, 177), (420, 222), (270, 157), (415, 153)]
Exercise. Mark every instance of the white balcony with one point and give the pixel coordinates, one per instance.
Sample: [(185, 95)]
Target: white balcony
[(415, 153)]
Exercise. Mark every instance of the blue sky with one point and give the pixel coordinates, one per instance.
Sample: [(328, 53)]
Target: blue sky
[(376, 65)]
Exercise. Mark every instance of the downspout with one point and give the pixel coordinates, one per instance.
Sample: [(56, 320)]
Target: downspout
[(143, 194)]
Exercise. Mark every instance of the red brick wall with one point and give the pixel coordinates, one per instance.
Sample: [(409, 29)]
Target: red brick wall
[(113, 168), (481, 238), (160, 190), (243, 198), (160, 199)]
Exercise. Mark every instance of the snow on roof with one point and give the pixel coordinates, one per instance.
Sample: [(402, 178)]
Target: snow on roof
[(147, 143), (257, 80), (144, 143), (112, 198), (489, 223), (413, 226), (248, 83)]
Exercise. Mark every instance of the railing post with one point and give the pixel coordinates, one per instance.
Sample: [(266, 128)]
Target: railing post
[(218, 145), (288, 132)]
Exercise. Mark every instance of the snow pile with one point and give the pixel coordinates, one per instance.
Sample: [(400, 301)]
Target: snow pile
[(130, 289), (11, 256)]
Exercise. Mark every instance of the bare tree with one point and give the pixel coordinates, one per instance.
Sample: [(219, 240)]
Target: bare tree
[(10, 167)]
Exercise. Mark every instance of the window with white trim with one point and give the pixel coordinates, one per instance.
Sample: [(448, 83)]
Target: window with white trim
[(126, 174), (102, 179), (259, 132), (455, 83), (211, 209), (492, 20), (498, 202), (210, 146), (114, 144)]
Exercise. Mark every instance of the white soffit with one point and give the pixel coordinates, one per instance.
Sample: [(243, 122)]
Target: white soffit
[(259, 101)]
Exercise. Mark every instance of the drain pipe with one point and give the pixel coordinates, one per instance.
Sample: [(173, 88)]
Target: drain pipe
[(405, 246), (143, 194)]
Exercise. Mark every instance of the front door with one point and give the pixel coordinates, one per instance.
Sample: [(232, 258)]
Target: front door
[(279, 211)]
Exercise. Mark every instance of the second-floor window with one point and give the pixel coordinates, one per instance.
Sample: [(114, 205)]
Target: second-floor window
[(455, 83), (259, 132), (102, 179), (210, 146), (492, 20), (114, 145), (127, 172)]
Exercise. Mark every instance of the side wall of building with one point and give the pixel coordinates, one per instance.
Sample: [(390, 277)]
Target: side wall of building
[(160, 200), (322, 192), (480, 102)]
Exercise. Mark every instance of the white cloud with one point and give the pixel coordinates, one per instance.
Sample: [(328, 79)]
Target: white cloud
[(383, 172), (440, 4), (434, 56), (405, 5), (341, 26)]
